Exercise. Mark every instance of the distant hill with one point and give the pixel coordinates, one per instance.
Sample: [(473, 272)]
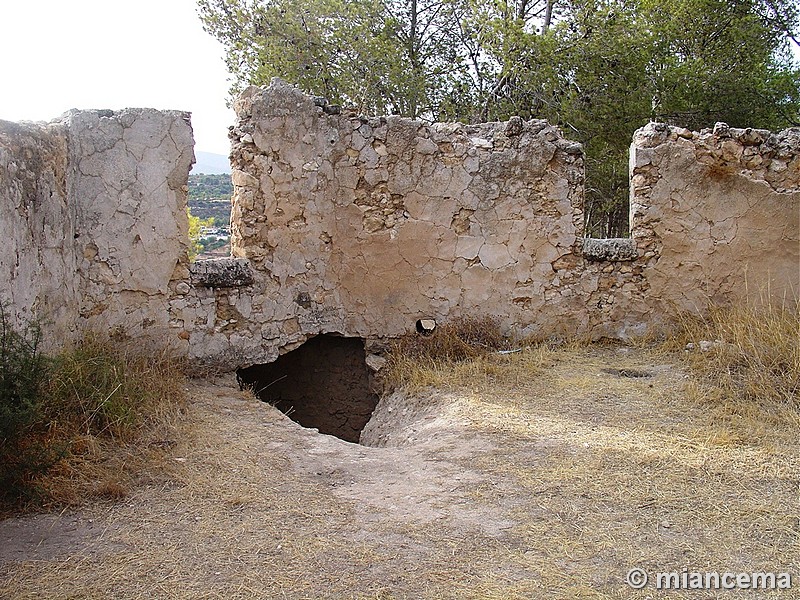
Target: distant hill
[(210, 164)]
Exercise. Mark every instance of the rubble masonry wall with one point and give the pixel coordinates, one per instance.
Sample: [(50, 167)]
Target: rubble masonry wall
[(360, 226)]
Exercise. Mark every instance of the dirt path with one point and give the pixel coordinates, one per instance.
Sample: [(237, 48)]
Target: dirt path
[(552, 486)]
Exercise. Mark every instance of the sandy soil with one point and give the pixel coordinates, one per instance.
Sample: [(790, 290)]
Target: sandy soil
[(553, 486)]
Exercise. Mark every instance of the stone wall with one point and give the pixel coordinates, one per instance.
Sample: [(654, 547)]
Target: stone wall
[(38, 260), (716, 215), (361, 226), (94, 219)]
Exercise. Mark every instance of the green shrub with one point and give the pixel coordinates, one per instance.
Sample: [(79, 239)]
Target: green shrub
[(24, 373), (64, 418)]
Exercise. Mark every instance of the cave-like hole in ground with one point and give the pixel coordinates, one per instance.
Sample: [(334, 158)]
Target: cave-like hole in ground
[(324, 384)]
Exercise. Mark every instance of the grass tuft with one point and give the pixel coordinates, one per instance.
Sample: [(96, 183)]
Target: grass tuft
[(747, 353), (745, 367), (459, 354), (107, 388), (457, 340), (86, 421)]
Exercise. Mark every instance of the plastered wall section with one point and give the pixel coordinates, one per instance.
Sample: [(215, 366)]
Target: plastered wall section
[(361, 226), (716, 216), (94, 207), (38, 260)]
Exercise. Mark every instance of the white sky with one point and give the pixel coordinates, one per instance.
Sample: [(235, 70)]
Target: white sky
[(61, 54)]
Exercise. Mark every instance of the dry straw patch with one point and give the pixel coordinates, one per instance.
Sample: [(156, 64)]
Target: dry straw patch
[(746, 362), (618, 474), (106, 415), (628, 460), (584, 470), (460, 353)]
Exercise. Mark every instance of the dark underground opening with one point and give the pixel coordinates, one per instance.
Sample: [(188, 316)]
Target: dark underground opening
[(324, 384)]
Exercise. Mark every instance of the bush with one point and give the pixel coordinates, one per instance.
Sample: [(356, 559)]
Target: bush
[(78, 409), (24, 374)]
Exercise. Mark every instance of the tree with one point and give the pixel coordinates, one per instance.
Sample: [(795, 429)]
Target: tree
[(196, 225), (722, 60), (381, 56), (605, 68), (598, 68)]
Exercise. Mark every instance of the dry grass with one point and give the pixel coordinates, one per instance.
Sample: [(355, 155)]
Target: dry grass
[(459, 353), (623, 472), (594, 473), (642, 465), (746, 366), (545, 473), (107, 415), (754, 354)]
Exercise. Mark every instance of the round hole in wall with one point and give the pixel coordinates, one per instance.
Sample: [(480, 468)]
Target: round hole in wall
[(426, 326)]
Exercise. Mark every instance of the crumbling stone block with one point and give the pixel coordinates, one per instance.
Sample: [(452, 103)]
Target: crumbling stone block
[(612, 249), (221, 272)]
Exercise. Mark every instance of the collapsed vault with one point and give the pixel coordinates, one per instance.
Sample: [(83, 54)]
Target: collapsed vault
[(324, 384)]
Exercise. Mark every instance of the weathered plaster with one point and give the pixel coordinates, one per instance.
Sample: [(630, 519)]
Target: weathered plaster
[(94, 205), (360, 226), (717, 214)]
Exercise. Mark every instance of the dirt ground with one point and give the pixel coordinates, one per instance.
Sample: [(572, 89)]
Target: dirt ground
[(550, 486)]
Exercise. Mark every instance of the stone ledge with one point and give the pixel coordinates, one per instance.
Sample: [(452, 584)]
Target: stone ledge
[(611, 249), (221, 272)]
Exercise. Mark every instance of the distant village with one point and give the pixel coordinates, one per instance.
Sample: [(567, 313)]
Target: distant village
[(210, 198)]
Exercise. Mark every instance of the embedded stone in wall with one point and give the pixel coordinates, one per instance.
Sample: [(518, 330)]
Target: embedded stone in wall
[(363, 225), (221, 272), (366, 226), (611, 249)]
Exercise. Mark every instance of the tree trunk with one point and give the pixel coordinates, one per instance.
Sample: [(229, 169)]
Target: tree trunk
[(548, 15)]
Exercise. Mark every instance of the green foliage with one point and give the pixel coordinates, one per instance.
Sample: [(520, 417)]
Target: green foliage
[(210, 198), (195, 227), (721, 60), (219, 211), (23, 370), (92, 385), (598, 68), (209, 244), (96, 390), (382, 57), (24, 373), (210, 187)]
